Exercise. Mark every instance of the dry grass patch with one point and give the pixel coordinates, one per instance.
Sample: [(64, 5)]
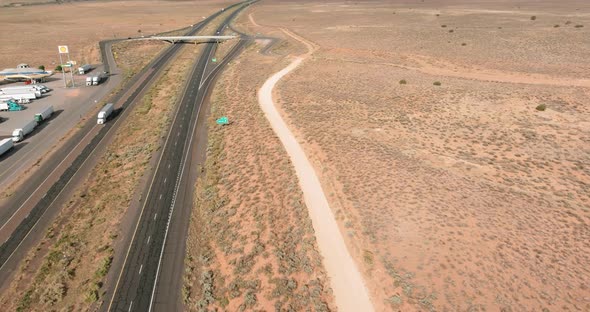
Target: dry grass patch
[(251, 245)]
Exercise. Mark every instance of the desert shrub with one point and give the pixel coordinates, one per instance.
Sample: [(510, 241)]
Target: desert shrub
[(556, 25), (437, 83), (533, 18), (41, 67), (541, 107), (463, 44), (451, 30), (403, 81), (58, 68), (443, 26), (579, 26), (568, 22)]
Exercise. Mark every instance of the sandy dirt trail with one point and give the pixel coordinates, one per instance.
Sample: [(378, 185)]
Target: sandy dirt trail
[(350, 292)]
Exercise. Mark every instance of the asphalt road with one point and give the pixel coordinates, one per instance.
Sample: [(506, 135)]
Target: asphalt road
[(34, 205), (151, 275)]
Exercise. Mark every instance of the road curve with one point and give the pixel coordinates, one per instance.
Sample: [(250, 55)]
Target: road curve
[(350, 292)]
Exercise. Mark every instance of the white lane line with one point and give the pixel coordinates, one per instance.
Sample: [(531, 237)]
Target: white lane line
[(148, 241), (188, 148), (130, 306), (155, 216), (178, 111), (140, 268), (160, 196), (165, 179)]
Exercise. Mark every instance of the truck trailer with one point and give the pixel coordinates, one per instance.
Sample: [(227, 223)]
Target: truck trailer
[(104, 113), (33, 88), (84, 69), (18, 97), (46, 113), (88, 81), (19, 133), (5, 145), (96, 80), (33, 91)]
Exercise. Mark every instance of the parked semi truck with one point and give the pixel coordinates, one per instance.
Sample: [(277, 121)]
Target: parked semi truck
[(46, 113), (5, 145), (19, 133), (96, 80), (19, 97), (88, 81), (84, 69), (35, 92), (40, 88), (104, 113), (11, 106)]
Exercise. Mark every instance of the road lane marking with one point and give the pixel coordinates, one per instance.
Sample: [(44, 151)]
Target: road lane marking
[(131, 305), (160, 196), (140, 268), (148, 241), (165, 179), (179, 110), (178, 178), (155, 216)]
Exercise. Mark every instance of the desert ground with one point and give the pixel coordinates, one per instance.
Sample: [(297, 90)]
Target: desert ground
[(31, 34), (452, 139), (251, 244)]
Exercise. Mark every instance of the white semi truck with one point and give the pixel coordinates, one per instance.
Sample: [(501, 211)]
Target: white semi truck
[(43, 115), (84, 69), (19, 133), (96, 80), (33, 88), (88, 81), (34, 92), (5, 145), (19, 96), (104, 113)]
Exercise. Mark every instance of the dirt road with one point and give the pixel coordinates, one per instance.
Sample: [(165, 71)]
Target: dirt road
[(346, 281)]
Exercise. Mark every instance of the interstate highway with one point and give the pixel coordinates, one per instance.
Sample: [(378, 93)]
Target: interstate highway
[(156, 253)]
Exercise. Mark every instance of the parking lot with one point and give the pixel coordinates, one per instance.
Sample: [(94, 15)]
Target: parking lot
[(70, 106)]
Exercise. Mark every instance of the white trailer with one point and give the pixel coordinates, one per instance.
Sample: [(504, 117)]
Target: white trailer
[(34, 88), (104, 113), (3, 106), (34, 92), (84, 69), (43, 115), (5, 145), (88, 81), (19, 96), (19, 133)]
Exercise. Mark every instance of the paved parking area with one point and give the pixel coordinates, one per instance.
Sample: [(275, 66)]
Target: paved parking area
[(62, 99)]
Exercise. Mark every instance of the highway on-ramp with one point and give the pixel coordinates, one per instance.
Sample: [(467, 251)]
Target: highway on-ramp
[(151, 275)]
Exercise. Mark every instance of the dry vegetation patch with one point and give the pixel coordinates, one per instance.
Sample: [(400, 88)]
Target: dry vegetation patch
[(67, 269), (251, 244), (455, 190)]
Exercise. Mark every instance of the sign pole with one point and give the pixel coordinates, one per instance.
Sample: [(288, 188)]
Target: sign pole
[(63, 73)]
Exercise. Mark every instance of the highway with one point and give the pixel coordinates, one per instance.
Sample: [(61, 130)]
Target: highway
[(151, 275), (28, 213)]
